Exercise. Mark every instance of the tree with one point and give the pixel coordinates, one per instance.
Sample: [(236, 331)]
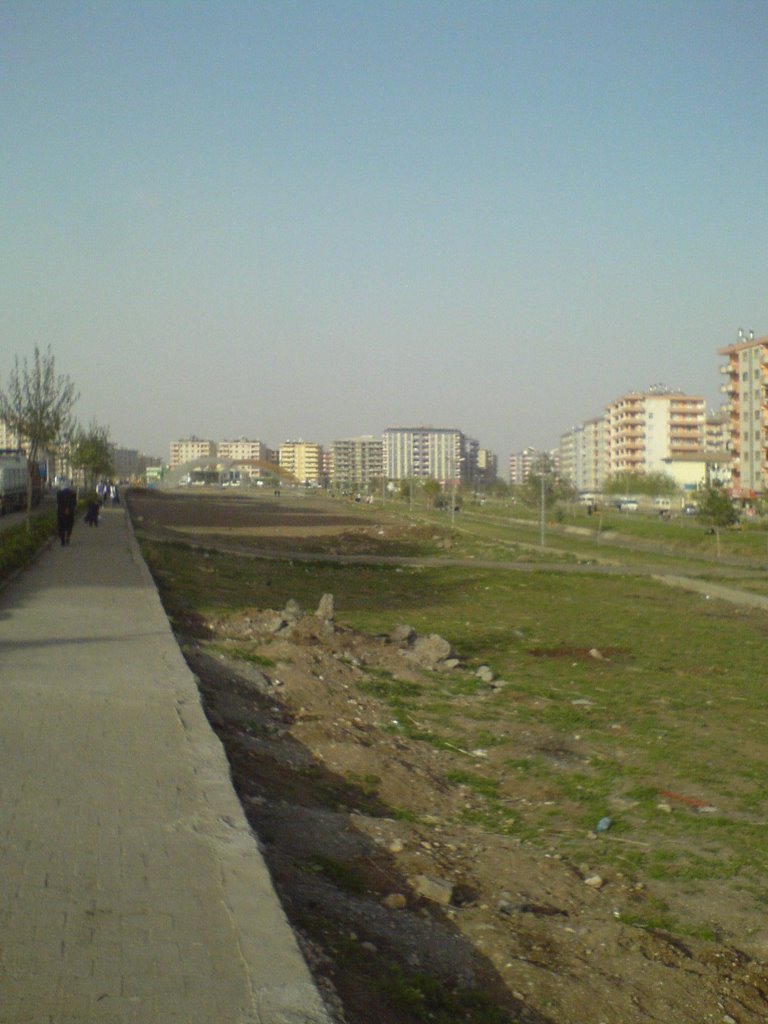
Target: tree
[(91, 452), (433, 493), (653, 484), (717, 510), (37, 406)]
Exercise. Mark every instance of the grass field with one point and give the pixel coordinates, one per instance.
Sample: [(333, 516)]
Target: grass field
[(623, 698)]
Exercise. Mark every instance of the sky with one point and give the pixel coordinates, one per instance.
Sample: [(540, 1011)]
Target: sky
[(317, 220)]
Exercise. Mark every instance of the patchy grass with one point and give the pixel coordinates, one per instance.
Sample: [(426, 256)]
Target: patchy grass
[(618, 690)]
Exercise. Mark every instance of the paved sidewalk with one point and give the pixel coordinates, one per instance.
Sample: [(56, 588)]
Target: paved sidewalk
[(131, 889)]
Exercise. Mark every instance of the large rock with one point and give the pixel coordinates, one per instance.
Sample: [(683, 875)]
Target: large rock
[(429, 651)]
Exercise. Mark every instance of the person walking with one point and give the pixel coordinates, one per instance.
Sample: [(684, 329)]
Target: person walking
[(66, 505)]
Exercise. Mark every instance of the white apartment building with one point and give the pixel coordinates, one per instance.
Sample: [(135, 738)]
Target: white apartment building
[(645, 429), (425, 453), (191, 448), (302, 460), (746, 391), (243, 450), (522, 464), (356, 462)]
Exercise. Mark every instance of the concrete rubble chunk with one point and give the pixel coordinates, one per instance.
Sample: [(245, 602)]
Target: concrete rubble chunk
[(292, 611), (433, 889)]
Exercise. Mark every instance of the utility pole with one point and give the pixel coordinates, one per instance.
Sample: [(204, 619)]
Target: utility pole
[(542, 516)]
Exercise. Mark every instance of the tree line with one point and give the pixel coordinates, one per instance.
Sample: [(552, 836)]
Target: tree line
[(37, 406)]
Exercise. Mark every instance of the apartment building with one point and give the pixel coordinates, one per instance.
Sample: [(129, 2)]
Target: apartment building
[(582, 455), (646, 429), (486, 467), (425, 453), (522, 464), (356, 462), (302, 460), (190, 449), (243, 450), (746, 390)]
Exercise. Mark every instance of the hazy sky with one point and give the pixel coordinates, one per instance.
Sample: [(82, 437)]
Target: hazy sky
[(320, 219)]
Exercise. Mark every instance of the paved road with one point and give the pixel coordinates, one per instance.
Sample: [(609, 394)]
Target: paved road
[(131, 888)]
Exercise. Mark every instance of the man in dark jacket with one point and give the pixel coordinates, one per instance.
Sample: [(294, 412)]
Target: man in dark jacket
[(66, 505)]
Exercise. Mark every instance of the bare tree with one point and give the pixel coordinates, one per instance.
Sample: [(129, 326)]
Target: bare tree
[(37, 406)]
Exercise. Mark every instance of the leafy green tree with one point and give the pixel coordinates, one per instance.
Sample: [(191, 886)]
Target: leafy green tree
[(543, 476), (653, 484), (716, 508), (36, 406), (717, 511), (91, 452), (433, 493)]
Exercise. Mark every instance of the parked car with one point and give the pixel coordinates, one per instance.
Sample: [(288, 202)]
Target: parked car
[(690, 510)]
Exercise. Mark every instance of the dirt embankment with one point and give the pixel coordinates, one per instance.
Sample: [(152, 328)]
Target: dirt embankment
[(358, 825)]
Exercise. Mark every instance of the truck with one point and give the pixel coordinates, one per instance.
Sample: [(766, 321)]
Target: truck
[(14, 481)]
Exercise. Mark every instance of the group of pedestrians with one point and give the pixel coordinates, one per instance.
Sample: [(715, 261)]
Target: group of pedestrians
[(66, 506)]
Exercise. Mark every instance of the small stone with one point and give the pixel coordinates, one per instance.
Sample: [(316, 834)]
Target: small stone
[(403, 634), (666, 808), (394, 901), (395, 846), (594, 882), (485, 674), (326, 610)]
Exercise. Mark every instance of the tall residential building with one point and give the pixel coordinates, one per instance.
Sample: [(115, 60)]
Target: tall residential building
[(645, 429), (191, 448), (242, 450), (425, 453), (746, 388), (522, 463), (486, 467), (582, 456), (356, 462), (303, 460)]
